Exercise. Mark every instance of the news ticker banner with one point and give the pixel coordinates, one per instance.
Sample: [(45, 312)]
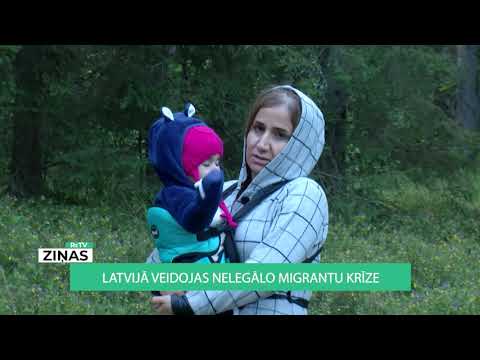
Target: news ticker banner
[(374, 277)]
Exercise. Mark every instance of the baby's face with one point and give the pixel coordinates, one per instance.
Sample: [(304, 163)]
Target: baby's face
[(213, 163)]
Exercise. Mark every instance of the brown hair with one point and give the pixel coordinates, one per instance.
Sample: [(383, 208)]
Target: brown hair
[(276, 96)]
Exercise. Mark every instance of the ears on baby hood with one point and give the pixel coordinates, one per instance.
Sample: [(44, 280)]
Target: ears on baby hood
[(189, 111), (167, 114)]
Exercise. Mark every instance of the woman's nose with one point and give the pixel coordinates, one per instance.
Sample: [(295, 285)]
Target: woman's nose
[(263, 143)]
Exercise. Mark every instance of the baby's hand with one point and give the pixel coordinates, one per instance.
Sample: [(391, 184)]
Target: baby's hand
[(213, 182)]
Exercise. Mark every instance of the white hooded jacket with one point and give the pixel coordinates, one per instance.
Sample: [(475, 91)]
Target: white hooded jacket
[(287, 227)]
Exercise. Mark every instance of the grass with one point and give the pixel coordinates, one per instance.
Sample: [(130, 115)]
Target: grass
[(434, 225), (31, 288), (430, 223)]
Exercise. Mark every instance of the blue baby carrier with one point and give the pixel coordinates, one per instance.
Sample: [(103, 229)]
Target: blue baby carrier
[(176, 245)]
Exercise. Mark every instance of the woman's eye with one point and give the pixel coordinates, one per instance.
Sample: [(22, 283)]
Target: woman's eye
[(282, 135), (258, 128)]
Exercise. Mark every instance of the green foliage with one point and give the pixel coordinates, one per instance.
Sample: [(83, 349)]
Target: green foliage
[(437, 234), (7, 96), (77, 176), (430, 224), (398, 100), (97, 103), (31, 288), (7, 88), (393, 118)]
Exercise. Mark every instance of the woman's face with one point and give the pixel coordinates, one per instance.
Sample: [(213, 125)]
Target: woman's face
[(270, 132)]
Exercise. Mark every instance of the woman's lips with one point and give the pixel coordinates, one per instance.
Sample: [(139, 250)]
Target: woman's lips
[(260, 160)]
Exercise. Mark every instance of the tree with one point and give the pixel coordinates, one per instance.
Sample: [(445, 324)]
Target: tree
[(26, 174), (337, 104), (37, 71), (468, 99)]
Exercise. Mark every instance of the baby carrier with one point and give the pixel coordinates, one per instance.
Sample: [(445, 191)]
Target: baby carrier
[(176, 245), (209, 239)]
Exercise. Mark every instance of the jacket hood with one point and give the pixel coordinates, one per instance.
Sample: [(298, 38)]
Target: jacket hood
[(165, 145), (299, 157)]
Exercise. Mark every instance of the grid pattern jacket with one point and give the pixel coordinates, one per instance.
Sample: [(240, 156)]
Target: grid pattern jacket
[(287, 227)]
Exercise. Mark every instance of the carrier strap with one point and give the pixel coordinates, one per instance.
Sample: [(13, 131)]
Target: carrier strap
[(291, 299), (230, 247), (229, 244)]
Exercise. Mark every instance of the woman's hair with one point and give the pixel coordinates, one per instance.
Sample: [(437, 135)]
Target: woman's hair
[(272, 97)]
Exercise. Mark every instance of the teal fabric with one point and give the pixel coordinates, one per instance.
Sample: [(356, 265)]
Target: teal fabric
[(171, 240)]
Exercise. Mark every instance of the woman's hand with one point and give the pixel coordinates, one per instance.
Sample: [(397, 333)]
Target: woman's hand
[(172, 292), (162, 304)]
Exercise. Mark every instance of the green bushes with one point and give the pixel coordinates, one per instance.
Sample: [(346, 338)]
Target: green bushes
[(432, 225), (31, 288), (404, 190)]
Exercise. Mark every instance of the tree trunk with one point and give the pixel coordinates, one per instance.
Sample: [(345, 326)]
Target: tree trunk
[(337, 102), (468, 100), (26, 170), (141, 155)]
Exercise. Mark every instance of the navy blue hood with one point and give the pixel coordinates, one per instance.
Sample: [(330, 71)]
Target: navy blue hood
[(165, 144), (179, 196)]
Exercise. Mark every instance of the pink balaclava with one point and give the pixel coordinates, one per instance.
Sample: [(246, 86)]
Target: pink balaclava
[(199, 144)]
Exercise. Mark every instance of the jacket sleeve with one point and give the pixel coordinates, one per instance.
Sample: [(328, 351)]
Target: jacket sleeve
[(298, 230), (195, 211)]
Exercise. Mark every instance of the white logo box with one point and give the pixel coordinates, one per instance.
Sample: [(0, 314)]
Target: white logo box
[(65, 255)]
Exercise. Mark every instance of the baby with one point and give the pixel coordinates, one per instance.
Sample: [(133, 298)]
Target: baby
[(185, 154)]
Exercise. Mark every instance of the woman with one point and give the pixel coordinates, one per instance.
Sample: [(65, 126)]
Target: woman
[(284, 139)]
